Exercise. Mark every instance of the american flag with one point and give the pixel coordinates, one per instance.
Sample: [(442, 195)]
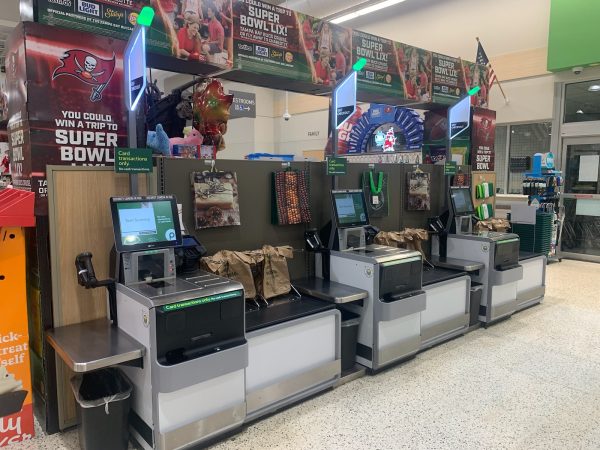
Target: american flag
[(484, 61)]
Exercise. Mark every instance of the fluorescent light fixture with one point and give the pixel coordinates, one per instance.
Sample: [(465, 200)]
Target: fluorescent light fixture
[(594, 88), (579, 111), (360, 64), (366, 10)]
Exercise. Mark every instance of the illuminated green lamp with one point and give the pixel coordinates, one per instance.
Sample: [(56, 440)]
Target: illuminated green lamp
[(146, 16), (474, 90), (360, 64)]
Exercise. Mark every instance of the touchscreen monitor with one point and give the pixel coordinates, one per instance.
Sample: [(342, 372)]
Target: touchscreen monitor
[(350, 208), (462, 203), (145, 222)]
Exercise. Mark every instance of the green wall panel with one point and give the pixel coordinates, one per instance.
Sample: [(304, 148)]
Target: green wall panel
[(574, 38)]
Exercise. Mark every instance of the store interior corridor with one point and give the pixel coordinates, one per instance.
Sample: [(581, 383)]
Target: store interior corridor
[(532, 381)]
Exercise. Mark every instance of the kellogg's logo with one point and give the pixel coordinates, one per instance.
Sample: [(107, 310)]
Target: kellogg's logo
[(88, 68)]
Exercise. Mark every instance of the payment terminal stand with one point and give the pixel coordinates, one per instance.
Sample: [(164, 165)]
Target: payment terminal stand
[(191, 387), (390, 324), (497, 252)]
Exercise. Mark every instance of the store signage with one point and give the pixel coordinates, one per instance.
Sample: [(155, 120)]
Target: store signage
[(133, 160), (344, 99), (135, 67), (201, 301), (450, 168), (244, 105), (483, 136), (337, 166), (448, 83)]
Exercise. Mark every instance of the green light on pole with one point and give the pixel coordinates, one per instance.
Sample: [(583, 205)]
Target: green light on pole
[(360, 64), (146, 16), (474, 90)]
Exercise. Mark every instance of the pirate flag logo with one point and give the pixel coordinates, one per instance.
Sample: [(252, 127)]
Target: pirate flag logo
[(88, 68)]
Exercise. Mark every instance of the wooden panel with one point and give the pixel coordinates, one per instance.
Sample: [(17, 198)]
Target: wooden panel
[(483, 177), (528, 63), (314, 155), (80, 221)]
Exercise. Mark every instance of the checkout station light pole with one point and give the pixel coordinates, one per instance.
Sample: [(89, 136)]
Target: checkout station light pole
[(134, 62)]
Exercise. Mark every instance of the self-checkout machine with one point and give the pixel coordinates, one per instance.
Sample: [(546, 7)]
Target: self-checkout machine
[(492, 258)]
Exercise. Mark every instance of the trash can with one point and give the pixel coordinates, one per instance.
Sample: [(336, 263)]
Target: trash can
[(476, 293), (350, 322), (104, 400)]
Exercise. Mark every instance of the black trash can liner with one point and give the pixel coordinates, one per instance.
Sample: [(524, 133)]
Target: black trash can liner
[(104, 400), (350, 322)]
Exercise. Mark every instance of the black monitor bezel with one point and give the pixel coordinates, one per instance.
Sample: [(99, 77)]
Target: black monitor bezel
[(462, 188), (335, 212), (114, 201)]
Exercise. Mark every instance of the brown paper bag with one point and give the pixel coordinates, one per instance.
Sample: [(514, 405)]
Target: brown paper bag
[(256, 267), (276, 277), (233, 265)]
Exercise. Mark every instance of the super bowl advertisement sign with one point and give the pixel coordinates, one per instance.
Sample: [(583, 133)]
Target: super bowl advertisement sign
[(448, 84), (483, 136), (76, 108), (415, 69), (380, 75)]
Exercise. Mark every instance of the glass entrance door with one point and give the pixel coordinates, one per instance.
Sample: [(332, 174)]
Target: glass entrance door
[(581, 199)]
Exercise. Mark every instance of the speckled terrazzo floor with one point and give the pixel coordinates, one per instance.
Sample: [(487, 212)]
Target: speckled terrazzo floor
[(530, 382)]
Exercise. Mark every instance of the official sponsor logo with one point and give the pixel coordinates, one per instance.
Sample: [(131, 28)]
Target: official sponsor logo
[(87, 67), (132, 18), (113, 14), (68, 3), (93, 9), (245, 47), (262, 51), (370, 75), (276, 54)]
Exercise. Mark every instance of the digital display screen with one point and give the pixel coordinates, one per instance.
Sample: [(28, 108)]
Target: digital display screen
[(145, 222), (350, 209), (462, 202)]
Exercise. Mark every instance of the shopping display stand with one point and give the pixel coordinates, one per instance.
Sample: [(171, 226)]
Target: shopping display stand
[(16, 406)]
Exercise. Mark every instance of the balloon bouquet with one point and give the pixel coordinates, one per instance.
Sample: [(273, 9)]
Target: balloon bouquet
[(211, 113)]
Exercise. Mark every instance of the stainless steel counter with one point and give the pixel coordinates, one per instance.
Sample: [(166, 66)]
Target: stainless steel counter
[(93, 345), (329, 291)]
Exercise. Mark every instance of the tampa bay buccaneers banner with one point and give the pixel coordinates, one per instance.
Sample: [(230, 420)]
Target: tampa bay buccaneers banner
[(76, 113)]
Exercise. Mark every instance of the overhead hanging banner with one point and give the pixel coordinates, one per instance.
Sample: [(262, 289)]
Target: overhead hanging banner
[(414, 67), (380, 75), (196, 31), (477, 75), (448, 84)]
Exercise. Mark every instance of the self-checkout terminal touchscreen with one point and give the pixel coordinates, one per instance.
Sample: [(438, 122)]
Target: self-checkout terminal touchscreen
[(142, 223), (462, 203), (350, 208)]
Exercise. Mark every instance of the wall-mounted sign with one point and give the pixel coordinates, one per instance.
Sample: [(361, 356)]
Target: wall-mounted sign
[(244, 105), (337, 166), (450, 168), (133, 160)]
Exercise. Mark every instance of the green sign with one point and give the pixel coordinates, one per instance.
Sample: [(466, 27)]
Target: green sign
[(337, 166), (133, 160), (450, 168), (201, 301)]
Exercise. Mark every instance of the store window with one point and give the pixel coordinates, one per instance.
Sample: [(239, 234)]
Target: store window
[(582, 101), (525, 141), (501, 151)]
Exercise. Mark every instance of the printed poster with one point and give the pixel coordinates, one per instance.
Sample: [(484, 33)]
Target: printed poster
[(216, 199), (380, 76), (16, 407), (448, 84), (76, 109), (483, 135), (419, 191), (194, 30), (414, 66), (477, 75)]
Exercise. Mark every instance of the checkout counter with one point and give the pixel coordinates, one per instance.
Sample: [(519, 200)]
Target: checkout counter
[(498, 253)]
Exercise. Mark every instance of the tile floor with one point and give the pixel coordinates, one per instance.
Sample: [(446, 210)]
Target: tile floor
[(530, 382)]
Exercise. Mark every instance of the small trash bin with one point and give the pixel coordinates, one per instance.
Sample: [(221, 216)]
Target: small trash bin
[(350, 322), (104, 400), (476, 293)]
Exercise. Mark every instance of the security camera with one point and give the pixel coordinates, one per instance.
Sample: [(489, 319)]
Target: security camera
[(287, 116), (577, 70)]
